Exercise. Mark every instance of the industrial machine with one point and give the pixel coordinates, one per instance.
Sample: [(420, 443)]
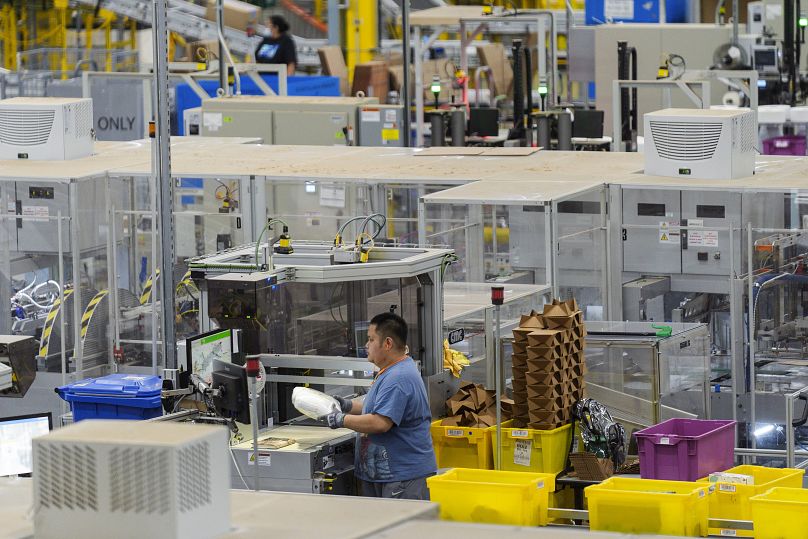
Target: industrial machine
[(304, 120), (46, 128), (687, 143), (17, 365)]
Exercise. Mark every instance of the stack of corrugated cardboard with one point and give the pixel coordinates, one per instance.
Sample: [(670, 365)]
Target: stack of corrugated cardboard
[(548, 365), (474, 406)]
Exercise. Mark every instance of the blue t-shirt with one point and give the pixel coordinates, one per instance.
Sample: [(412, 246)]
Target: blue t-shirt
[(405, 451)]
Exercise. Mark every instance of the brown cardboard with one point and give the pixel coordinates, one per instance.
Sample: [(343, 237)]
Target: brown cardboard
[(520, 410), (550, 405), (520, 398), (520, 334), (372, 78), (333, 64), (442, 67), (452, 421), (519, 372), (519, 360), (551, 419), (545, 366), (238, 15), (545, 392), (519, 386), (493, 55), (506, 405), (562, 314), (544, 379), (545, 352), (487, 419), (588, 467), (532, 320), (545, 337), (519, 347), (519, 423)]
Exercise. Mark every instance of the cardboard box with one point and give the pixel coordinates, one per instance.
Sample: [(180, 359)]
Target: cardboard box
[(545, 379), (238, 15), (493, 55), (562, 314), (545, 366), (452, 421), (519, 347), (555, 404), (519, 372), (332, 62), (372, 78), (545, 419), (519, 386), (532, 320), (442, 67), (546, 337), (543, 392), (545, 352), (520, 410), (519, 360), (520, 335), (588, 467)]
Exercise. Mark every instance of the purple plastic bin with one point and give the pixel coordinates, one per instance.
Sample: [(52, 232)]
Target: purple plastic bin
[(785, 145), (686, 449)]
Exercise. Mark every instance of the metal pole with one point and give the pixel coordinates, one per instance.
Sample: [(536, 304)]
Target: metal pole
[(498, 375), (405, 57), (162, 171), (419, 88), (333, 22), (254, 412), (220, 25)]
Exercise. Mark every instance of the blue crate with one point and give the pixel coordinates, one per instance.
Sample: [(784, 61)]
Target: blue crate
[(643, 11), (186, 98), (116, 396)]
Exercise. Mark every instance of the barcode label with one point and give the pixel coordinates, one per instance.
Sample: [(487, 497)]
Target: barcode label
[(724, 487), (665, 441), (454, 432), (728, 533), (519, 434)]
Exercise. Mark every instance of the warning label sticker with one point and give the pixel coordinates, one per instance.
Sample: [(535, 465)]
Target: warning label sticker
[(669, 232), (702, 238)]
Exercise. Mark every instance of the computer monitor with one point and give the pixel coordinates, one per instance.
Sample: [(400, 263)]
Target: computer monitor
[(16, 445), (764, 59), (202, 350), (234, 401)]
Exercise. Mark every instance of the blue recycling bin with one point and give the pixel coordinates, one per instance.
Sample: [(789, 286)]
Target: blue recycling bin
[(116, 396)]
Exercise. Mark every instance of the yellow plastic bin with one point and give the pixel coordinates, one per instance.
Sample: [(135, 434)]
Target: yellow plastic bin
[(649, 506), (462, 447), (780, 513), (531, 450), (731, 501), (492, 496)]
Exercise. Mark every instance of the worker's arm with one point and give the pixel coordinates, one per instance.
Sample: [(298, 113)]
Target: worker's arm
[(368, 423), (290, 69)]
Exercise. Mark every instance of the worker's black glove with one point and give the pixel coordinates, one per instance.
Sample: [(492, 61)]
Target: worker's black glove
[(335, 420), (346, 405)]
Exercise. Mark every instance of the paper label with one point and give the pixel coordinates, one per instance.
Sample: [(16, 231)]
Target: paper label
[(522, 451), (40, 213), (335, 119), (389, 135), (264, 458), (724, 487), (328, 462), (702, 238), (390, 116), (454, 432), (212, 121), (332, 195), (373, 115), (695, 223), (669, 232), (701, 494), (519, 434), (618, 9), (728, 533), (665, 441)]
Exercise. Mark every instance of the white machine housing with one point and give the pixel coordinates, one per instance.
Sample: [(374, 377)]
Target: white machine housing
[(46, 128), (716, 144), (132, 479)]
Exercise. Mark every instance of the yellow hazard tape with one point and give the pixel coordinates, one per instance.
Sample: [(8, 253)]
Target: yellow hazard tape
[(44, 342), (88, 313), (147, 289)]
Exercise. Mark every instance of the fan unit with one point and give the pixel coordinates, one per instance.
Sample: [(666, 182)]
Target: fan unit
[(46, 128), (131, 479), (699, 143)]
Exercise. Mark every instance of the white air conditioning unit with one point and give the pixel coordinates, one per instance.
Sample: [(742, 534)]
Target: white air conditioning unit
[(46, 128), (132, 479), (700, 143)]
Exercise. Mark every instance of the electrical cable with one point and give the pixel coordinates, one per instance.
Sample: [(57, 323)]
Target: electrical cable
[(238, 470)]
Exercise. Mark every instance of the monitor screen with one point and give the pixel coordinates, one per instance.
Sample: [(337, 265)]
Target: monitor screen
[(204, 349), (765, 57), (16, 446)]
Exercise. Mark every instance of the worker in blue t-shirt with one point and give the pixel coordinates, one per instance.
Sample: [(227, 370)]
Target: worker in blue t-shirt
[(394, 454)]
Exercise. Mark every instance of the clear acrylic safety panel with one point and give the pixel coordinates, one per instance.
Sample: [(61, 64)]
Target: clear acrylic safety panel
[(684, 374)]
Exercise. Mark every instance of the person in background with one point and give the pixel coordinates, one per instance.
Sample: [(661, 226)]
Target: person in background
[(279, 47), (394, 453)]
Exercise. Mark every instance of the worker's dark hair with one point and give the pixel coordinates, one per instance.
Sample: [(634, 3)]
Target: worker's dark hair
[(279, 22), (393, 326)]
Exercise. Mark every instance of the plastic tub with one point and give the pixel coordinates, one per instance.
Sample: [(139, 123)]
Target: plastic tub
[(649, 506), (780, 513), (462, 447), (784, 145), (492, 496), (731, 500), (532, 450), (686, 449), (116, 396), (799, 115)]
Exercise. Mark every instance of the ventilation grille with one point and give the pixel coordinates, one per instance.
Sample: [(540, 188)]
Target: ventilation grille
[(748, 134), (139, 480), (83, 119), (193, 474), (685, 141), (25, 127), (66, 476)]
